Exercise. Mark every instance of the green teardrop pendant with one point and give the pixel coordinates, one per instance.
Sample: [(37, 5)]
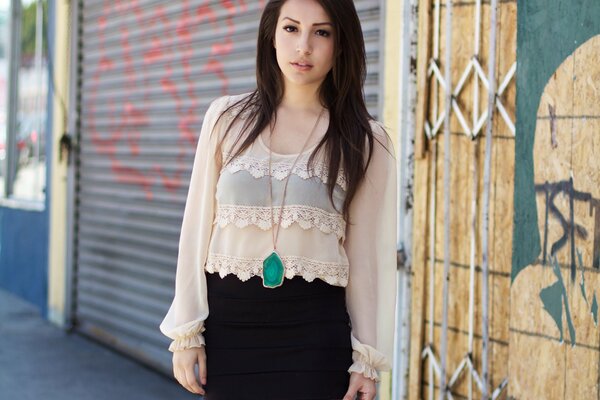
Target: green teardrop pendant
[(273, 271)]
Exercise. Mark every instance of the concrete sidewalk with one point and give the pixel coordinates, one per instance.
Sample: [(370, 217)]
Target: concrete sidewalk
[(40, 361)]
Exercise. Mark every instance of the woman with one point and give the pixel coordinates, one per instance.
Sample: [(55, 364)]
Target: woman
[(297, 264)]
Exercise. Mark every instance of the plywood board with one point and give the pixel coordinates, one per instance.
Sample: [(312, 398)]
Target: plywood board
[(539, 364), (499, 366), (423, 54), (418, 289), (582, 373), (500, 304)]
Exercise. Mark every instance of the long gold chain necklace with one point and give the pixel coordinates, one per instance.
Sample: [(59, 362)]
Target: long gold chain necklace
[(273, 271)]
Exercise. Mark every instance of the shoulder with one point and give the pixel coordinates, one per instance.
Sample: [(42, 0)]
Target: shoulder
[(226, 115), (231, 103), (235, 98), (382, 141), (231, 99), (222, 102), (382, 165)]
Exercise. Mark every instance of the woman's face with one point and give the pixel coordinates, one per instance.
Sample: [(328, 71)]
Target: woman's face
[(304, 35)]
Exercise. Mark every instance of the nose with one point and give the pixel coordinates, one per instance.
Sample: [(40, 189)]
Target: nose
[(304, 46)]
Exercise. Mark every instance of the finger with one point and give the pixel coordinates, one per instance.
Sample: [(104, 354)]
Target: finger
[(180, 376), (178, 372), (366, 396), (192, 382), (351, 393), (202, 369)]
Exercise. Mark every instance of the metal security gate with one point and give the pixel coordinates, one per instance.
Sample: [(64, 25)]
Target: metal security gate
[(146, 74), (466, 71)]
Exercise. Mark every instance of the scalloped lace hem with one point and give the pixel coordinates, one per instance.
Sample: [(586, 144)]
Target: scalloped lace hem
[(306, 216), (195, 339), (259, 167), (245, 268)]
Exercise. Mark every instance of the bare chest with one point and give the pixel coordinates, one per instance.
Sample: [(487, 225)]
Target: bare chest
[(290, 136)]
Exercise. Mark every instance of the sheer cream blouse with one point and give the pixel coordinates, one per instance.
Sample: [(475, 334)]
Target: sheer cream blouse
[(226, 229)]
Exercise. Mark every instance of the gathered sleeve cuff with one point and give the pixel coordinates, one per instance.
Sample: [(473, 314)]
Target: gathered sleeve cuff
[(184, 321), (371, 242), (367, 360), (189, 340)]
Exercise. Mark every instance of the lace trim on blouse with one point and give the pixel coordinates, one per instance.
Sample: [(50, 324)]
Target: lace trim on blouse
[(245, 268), (259, 167), (306, 216)]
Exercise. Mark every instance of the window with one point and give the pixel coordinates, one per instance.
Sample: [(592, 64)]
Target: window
[(23, 99)]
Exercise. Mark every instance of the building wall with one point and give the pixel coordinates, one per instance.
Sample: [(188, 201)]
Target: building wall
[(24, 254)]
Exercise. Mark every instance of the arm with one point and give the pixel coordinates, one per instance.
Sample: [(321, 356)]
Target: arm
[(184, 322), (371, 249)]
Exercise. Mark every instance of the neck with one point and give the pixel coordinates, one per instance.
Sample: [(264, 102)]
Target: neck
[(304, 99)]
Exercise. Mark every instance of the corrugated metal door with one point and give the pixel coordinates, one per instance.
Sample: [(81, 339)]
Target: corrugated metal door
[(148, 70)]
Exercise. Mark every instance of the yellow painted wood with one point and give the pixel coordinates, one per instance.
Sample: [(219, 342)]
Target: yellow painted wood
[(391, 112), (58, 212)]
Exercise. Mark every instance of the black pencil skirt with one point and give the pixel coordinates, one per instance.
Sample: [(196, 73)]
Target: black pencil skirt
[(286, 343)]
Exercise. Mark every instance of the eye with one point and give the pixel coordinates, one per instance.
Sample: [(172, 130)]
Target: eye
[(323, 33), (285, 28)]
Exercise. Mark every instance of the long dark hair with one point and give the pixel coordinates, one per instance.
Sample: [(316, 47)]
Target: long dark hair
[(341, 92)]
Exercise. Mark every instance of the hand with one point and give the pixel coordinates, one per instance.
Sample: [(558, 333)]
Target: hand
[(184, 362), (360, 383)]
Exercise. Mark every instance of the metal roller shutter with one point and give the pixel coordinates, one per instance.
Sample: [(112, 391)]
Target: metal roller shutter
[(147, 72)]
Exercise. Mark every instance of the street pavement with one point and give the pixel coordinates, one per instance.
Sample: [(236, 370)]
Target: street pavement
[(41, 361)]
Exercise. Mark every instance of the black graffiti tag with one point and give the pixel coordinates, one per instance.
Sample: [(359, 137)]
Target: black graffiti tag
[(571, 229)]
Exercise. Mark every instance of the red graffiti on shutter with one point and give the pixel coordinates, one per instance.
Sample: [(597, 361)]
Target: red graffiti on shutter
[(143, 56)]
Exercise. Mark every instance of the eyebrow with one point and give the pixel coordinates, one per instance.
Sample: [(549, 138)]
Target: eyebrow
[(319, 23)]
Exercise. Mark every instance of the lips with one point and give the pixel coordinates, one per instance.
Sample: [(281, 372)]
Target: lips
[(302, 67), (302, 64)]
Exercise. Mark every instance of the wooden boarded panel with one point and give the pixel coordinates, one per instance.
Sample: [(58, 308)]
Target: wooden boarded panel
[(554, 301), (419, 289), (581, 370), (582, 366), (499, 365), (545, 379), (423, 54)]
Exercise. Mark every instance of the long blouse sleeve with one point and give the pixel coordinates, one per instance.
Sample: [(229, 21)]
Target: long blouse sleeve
[(371, 249), (184, 321)]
